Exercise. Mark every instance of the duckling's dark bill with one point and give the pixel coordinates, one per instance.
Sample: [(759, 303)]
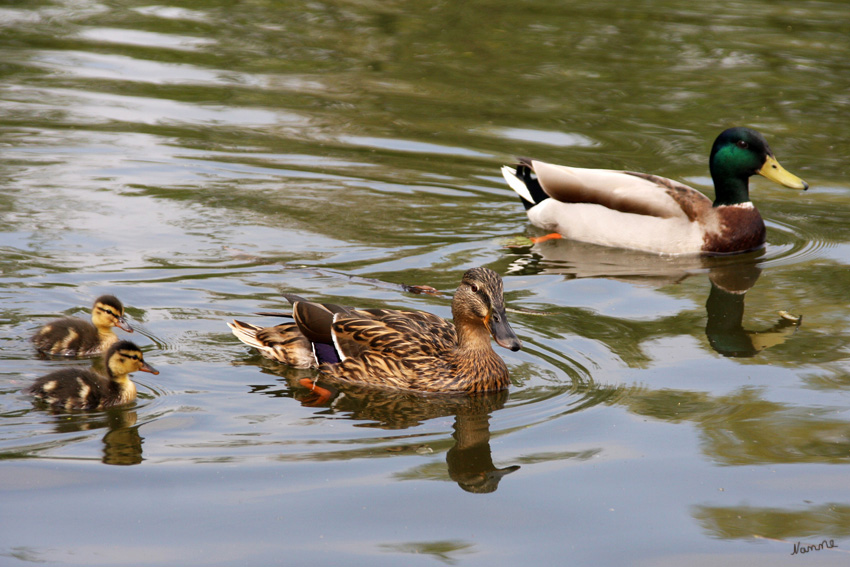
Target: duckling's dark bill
[(123, 325), (145, 367), (775, 172)]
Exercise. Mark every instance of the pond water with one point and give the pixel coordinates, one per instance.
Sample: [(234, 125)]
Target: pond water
[(197, 159)]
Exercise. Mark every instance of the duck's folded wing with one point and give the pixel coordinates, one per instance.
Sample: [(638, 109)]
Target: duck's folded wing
[(398, 334), (315, 319), (434, 335), (623, 191)]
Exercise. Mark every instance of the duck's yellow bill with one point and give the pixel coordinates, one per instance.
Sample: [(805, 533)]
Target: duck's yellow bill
[(775, 172)]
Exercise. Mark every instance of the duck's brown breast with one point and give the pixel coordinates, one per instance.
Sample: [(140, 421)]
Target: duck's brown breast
[(739, 228)]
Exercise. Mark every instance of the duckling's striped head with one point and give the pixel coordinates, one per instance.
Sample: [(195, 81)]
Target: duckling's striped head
[(480, 298), (125, 357), (108, 312)]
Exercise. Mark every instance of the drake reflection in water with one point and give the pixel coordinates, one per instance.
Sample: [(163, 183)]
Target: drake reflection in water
[(725, 309), (731, 278)]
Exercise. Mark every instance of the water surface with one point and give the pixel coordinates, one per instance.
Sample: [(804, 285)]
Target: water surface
[(198, 159)]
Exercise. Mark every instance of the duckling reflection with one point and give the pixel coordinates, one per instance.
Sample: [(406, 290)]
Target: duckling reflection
[(725, 308), (122, 443), (469, 460)]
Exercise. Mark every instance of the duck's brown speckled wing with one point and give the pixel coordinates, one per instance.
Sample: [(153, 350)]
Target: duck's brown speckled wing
[(395, 349), (402, 334)]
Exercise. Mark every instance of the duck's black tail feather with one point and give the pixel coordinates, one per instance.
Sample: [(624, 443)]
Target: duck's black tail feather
[(524, 183)]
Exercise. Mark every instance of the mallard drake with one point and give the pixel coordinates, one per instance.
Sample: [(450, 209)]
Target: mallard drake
[(71, 336), (650, 213), (81, 388), (410, 350)]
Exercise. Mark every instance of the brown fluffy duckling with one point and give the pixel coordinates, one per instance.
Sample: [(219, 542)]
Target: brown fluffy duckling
[(81, 388), (71, 336), (410, 350)]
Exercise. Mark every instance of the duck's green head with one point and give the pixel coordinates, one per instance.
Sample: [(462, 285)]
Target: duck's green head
[(739, 153)]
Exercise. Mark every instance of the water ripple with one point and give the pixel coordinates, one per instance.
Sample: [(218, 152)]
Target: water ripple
[(793, 244)]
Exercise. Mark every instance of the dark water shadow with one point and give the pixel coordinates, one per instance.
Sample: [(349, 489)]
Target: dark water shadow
[(469, 460)]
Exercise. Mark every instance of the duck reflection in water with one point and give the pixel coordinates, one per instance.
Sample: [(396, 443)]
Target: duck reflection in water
[(725, 308), (469, 460), (730, 277)]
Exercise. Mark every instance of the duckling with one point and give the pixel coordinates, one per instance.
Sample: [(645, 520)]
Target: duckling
[(71, 336), (645, 212), (407, 350), (80, 388)]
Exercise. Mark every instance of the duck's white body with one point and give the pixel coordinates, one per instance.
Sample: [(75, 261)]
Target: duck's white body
[(634, 211), (587, 223)]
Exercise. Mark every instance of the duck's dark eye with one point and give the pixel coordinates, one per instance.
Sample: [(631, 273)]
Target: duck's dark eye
[(473, 287), (742, 144)]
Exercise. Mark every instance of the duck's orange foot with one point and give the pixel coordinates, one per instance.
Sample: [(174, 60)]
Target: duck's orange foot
[(318, 396), (552, 236)]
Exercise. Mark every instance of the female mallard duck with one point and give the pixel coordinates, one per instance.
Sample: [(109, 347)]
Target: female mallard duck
[(651, 213), (398, 349), (81, 388), (76, 337)]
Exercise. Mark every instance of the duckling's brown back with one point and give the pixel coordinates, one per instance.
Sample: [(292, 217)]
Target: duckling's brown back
[(68, 337), (71, 388)]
